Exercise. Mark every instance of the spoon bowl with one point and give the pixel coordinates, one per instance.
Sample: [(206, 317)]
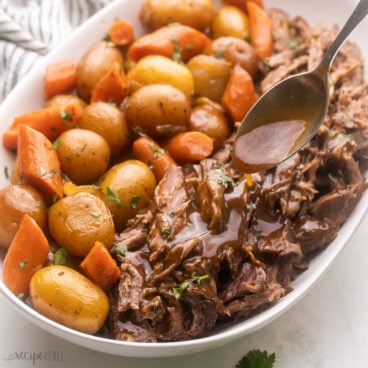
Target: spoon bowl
[(288, 116)]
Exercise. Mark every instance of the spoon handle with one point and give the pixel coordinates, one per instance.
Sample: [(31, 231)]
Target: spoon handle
[(355, 18)]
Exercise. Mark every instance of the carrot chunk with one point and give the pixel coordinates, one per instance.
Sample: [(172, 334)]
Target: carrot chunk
[(178, 42), (60, 78), (121, 33), (112, 87), (27, 253), (100, 267), (38, 163), (189, 147), (147, 150), (242, 4), (239, 95), (260, 25)]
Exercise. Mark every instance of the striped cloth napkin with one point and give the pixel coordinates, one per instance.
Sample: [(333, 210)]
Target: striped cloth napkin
[(29, 29)]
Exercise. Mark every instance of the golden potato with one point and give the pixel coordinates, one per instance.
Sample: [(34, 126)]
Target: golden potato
[(210, 121), (67, 297), (230, 21), (235, 51), (153, 69), (58, 100), (108, 121), (158, 110), (157, 13), (128, 187), (94, 64), (84, 155), (210, 75), (15, 201), (76, 222)]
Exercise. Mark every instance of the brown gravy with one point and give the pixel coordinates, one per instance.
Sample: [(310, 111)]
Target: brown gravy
[(267, 145)]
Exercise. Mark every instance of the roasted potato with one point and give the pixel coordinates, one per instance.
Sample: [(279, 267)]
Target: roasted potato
[(60, 100), (67, 297), (108, 121), (210, 120), (155, 69), (94, 64), (158, 110), (84, 155), (128, 187), (230, 21), (157, 13), (76, 222), (235, 51), (15, 201), (210, 75)]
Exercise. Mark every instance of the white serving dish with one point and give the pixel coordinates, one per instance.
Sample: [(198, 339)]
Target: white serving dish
[(28, 96)]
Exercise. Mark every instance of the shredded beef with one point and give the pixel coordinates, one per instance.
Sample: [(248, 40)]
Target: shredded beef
[(215, 245)]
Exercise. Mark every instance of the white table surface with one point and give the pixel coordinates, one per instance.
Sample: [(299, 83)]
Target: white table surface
[(327, 328)]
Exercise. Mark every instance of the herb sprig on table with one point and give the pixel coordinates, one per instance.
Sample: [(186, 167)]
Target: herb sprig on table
[(257, 359)]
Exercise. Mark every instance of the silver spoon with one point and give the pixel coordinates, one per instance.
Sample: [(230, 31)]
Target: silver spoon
[(286, 117)]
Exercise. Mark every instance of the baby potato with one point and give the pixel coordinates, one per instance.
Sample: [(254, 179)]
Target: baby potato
[(210, 75), (108, 121), (230, 21), (58, 100), (94, 64), (77, 221), (157, 13), (69, 298), (235, 51), (15, 201), (158, 110), (211, 121), (84, 155), (153, 69), (128, 187)]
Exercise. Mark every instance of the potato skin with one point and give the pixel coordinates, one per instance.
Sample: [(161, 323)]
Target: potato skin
[(67, 297), (158, 110), (108, 121), (15, 201), (58, 100), (94, 64), (76, 222), (84, 155), (154, 69), (133, 183), (157, 13), (210, 75)]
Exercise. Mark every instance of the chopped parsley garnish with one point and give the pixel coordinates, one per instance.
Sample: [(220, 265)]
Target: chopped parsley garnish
[(294, 45), (171, 214), (22, 265), (224, 179), (179, 291), (65, 115), (176, 55), (134, 201), (96, 215), (6, 172), (107, 37), (156, 150), (56, 144), (43, 172), (20, 296), (120, 251), (165, 232), (219, 54), (257, 359), (113, 196), (54, 198), (61, 256)]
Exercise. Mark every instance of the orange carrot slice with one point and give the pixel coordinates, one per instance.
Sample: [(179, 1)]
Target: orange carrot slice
[(121, 33)]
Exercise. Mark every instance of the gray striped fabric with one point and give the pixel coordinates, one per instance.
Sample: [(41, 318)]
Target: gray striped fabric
[(31, 28)]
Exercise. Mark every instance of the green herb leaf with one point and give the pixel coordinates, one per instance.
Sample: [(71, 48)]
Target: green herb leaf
[(65, 115), (179, 290), (113, 196), (107, 37), (6, 172), (219, 54), (61, 256), (165, 232), (224, 179), (96, 215), (43, 172), (20, 296), (134, 201), (56, 144), (176, 55), (257, 359), (156, 150), (120, 251), (294, 45), (22, 265)]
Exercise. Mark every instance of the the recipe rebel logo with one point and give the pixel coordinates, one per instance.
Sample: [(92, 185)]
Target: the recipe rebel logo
[(35, 357)]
